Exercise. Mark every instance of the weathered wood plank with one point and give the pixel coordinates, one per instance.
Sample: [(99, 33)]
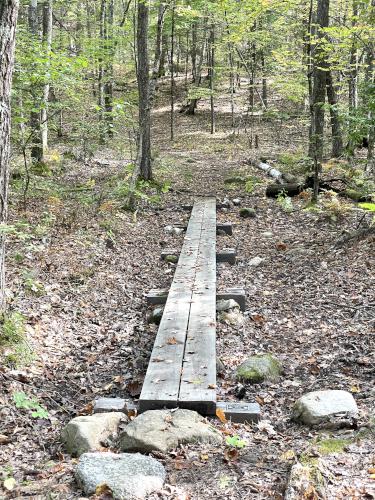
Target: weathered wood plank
[(162, 381), (198, 379)]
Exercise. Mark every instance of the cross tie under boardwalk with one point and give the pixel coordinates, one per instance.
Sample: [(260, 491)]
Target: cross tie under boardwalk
[(182, 368)]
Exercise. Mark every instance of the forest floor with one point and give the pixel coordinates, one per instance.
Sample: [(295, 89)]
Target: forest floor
[(79, 271)]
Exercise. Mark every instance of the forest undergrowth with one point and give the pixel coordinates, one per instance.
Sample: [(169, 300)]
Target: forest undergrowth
[(79, 266)]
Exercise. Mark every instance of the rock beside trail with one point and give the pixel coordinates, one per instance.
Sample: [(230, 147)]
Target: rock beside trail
[(220, 367), (171, 258), (236, 202), (256, 261), (233, 317), (329, 408), (90, 433), (226, 305), (258, 369), (156, 315), (246, 213), (128, 476), (164, 430)]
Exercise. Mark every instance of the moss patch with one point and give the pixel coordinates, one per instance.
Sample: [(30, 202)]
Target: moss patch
[(259, 368), (333, 445)]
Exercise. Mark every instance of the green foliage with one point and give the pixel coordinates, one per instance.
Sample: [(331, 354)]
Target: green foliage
[(235, 442), (13, 329), (24, 402), (285, 202), (367, 206), (13, 342), (333, 445)]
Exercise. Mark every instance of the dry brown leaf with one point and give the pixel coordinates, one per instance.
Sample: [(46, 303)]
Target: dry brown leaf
[(86, 410), (134, 388), (104, 490), (281, 246), (172, 341), (230, 454), (221, 415), (4, 439)]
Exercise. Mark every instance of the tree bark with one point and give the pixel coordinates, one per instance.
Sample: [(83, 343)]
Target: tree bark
[(172, 70), (143, 78), (47, 40), (212, 78), (36, 147), (8, 21), (337, 141), (319, 93)]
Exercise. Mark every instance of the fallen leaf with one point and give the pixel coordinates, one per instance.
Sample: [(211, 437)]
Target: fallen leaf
[(104, 489), (230, 454), (4, 439), (204, 457), (288, 455), (281, 246), (9, 483), (258, 319), (86, 410), (221, 415), (371, 470), (172, 341), (211, 386), (134, 388)]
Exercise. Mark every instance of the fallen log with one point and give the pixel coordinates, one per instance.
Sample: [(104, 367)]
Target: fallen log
[(290, 189)]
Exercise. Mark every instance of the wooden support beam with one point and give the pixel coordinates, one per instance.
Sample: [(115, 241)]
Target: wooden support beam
[(240, 412), (159, 296), (226, 255), (225, 227), (237, 294)]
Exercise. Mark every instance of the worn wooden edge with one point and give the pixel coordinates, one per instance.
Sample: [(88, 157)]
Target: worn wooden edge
[(240, 412), (227, 255), (159, 296), (226, 227)]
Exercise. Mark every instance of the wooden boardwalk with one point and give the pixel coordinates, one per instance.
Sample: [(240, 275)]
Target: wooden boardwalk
[(182, 368)]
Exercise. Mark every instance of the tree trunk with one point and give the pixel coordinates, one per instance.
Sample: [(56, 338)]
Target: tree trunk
[(108, 84), (8, 21), (47, 40), (144, 154), (36, 147), (212, 78), (172, 70), (337, 141), (101, 71), (319, 93), (370, 83)]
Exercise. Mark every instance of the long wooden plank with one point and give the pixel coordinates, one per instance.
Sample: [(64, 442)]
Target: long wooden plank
[(162, 382), (198, 379)]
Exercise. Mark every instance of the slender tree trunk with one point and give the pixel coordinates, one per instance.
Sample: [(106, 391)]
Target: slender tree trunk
[(172, 70), (157, 69), (8, 21), (36, 148), (319, 93), (370, 84), (197, 61), (144, 159), (337, 141), (212, 78), (47, 40), (101, 71), (108, 84), (264, 82)]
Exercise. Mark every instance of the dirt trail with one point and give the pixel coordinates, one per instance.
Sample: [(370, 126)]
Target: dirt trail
[(308, 304)]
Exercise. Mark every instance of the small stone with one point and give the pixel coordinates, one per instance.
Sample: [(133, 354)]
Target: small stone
[(173, 259), (220, 367), (156, 315), (256, 261), (226, 305), (225, 203), (236, 202), (164, 430), (247, 212), (329, 408), (127, 475), (168, 229), (90, 433), (258, 369), (267, 234), (233, 317), (221, 232), (177, 231)]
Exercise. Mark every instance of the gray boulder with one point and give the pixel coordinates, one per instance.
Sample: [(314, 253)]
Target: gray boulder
[(90, 433), (330, 408), (258, 369), (156, 315), (246, 213), (128, 476), (164, 430), (256, 261), (233, 317), (226, 305)]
